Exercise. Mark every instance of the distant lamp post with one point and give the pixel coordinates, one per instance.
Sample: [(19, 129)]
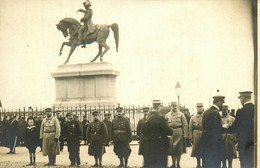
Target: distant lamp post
[(178, 92)]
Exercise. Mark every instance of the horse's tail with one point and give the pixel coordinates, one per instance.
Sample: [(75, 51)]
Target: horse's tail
[(115, 29)]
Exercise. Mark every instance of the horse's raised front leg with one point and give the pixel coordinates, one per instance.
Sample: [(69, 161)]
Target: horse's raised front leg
[(72, 48), (62, 45), (106, 49), (99, 52)]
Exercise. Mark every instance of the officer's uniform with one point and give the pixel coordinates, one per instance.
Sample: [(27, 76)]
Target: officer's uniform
[(38, 124), (72, 134), (12, 131), (213, 145), (178, 123), (61, 121), (50, 130), (108, 124), (85, 123), (97, 137), (155, 141), (195, 132), (140, 131), (228, 137), (121, 135), (244, 127)]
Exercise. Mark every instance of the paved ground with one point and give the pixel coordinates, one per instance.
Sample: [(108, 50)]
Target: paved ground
[(21, 158)]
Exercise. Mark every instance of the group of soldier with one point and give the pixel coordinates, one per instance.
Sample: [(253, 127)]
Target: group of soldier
[(213, 133)]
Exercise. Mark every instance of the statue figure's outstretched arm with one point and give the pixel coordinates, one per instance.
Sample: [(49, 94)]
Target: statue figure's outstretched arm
[(87, 16), (82, 10)]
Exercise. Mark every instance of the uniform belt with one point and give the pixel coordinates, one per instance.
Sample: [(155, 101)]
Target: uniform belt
[(49, 132), (119, 131), (95, 133), (177, 127)]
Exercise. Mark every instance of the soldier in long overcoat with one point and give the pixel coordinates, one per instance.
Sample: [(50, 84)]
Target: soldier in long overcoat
[(155, 141), (229, 138), (213, 145), (121, 135), (96, 137), (195, 132), (4, 131), (85, 123), (139, 131), (21, 130), (50, 133), (108, 124), (72, 134), (38, 124), (61, 121), (244, 127), (178, 123), (12, 132)]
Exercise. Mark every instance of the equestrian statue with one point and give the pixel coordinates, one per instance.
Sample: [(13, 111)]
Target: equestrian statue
[(86, 33)]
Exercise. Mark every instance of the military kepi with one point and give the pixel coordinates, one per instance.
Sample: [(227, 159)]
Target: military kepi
[(219, 98), (95, 113), (199, 104), (145, 109), (174, 103), (48, 110), (245, 94), (119, 109)]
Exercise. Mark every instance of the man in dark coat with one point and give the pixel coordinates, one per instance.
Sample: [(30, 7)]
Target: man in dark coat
[(96, 137), (21, 131), (12, 132), (140, 131), (4, 131), (108, 124), (244, 127), (38, 124), (85, 123), (121, 135), (213, 145), (61, 121), (72, 134), (155, 141)]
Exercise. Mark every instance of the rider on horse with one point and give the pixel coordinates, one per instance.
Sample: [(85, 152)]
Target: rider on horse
[(87, 20)]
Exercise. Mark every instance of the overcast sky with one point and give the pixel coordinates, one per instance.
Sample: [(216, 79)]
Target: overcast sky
[(203, 45)]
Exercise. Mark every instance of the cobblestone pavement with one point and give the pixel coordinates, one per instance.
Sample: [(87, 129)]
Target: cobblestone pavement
[(110, 160)]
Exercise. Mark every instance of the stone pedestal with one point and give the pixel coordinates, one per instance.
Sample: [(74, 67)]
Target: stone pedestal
[(91, 84)]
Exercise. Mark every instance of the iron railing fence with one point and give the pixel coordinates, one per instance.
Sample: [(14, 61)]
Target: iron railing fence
[(133, 113)]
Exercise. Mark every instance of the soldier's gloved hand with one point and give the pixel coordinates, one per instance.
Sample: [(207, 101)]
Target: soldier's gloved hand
[(56, 139)]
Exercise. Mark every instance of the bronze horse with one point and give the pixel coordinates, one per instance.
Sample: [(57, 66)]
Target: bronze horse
[(70, 26)]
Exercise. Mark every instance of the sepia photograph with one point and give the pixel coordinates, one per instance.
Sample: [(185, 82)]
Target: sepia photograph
[(133, 83)]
